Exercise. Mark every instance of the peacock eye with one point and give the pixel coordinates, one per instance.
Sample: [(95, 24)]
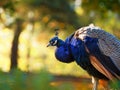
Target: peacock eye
[(51, 42), (55, 42)]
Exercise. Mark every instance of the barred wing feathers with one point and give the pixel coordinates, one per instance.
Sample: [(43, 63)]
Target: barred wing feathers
[(104, 47)]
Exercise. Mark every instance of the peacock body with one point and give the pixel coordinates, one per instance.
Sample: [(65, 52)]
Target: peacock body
[(93, 49)]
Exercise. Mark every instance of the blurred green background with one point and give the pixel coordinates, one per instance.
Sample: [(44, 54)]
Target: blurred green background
[(27, 25)]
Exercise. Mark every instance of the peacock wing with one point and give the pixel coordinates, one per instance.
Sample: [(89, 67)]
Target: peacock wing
[(100, 67), (103, 48)]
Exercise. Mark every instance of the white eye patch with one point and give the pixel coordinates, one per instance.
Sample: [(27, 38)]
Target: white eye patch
[(55, 42)]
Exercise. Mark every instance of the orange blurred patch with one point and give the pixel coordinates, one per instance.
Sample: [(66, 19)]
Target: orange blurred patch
[(103, 83)]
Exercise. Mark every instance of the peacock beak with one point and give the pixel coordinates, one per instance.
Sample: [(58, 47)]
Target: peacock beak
[(48, 44)]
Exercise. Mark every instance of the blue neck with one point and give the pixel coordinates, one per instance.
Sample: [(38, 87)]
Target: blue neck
[(60, 43)]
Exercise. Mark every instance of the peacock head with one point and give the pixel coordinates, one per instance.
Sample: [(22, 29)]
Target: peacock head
[(55, 41)]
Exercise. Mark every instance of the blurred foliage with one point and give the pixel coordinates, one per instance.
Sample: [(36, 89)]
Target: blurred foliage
[(103, 13), (18, 80), (49, 13), (115, 85), (68, 15), (101, 5)]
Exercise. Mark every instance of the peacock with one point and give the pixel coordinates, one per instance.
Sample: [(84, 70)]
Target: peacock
[(93, 49)]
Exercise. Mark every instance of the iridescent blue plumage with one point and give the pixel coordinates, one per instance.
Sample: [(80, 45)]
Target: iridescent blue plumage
[(63, 52), (73, 49)]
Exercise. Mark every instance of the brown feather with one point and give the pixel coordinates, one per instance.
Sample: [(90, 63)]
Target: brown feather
[(100, 67)]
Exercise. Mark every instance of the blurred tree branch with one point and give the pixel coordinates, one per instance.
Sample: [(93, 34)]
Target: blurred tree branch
[(15, 43)]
